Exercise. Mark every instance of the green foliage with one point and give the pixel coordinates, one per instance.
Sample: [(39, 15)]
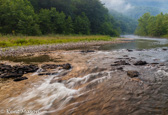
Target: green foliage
[(153, 25), (18, 17), (82, 24), (69, 26), (36, 17)]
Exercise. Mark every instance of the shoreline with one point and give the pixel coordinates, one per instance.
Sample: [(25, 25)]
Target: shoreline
[(105, 73), (19, 51)]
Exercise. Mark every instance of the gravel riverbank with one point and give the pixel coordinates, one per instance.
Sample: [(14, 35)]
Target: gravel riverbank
[(17, 51)]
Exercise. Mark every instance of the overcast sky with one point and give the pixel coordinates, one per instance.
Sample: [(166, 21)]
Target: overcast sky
[(118, 5), (124, 5)]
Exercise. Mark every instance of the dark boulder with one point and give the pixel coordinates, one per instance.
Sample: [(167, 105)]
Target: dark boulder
[(11, 75), (140, 63), (129, 50), (125, 56), (5, 68), (120, 68), (66, 66), (133, 57), (25, 69), (17, 71), (87, 51), (53, 73), (30, 68), (162, 64), (132, 74), (49, 66), (164, 49), (20, 79), (121, 62)]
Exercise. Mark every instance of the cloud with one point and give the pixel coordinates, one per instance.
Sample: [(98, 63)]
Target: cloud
[(118, 5)]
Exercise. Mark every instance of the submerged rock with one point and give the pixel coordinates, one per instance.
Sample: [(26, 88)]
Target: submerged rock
[(20, 79), (25, 69), (11, 75), (49, 66), (7, 71), (120, 68), (133, 74), (129, 50), (54, 66), (140, 63), (87, 51), (121, 62), (164, 49), (52, 73), (66, 66)]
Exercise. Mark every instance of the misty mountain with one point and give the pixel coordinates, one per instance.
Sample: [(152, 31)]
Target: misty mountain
[(154, 7), (161, 4), (136, 8), (140, 10), (126, 24)]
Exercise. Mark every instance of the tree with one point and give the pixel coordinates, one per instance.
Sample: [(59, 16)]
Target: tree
[(153, 25), (45, 21), (17, 16), (143, 23), (69, 26), (82, 24)]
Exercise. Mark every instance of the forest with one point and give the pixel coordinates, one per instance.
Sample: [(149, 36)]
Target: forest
[(43, 17), (150, 25)]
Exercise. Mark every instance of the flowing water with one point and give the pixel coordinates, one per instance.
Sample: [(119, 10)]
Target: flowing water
[(138, 43), (99, 88)]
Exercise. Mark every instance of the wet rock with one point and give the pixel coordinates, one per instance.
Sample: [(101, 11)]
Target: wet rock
[(129, 50), (162, 64), (20, 79), (140, 63), (54, 66), (133, 57), (49, 66), (120, 68), (66, 66), (133, 74), (164, 49), (125, 56), (5, 68), (8, 71), (25, 69), (114, 64), (56, 80), (121, 62), (48, 73), (11, 75), (154, 63), (87, 51)]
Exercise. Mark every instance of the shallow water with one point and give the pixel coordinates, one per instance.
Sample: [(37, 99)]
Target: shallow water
[(30, 59), (138, 43), (105, 90)]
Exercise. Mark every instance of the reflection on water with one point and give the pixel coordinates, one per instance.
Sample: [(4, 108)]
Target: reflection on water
[(28, 60), (138, 43)]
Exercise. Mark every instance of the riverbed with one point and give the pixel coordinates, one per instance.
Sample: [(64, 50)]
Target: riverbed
[(97, 83)]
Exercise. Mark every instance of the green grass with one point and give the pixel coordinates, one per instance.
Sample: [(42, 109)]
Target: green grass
[(165, 36), (10, 41)]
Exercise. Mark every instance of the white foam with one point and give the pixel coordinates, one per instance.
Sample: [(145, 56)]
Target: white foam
[(45, 94)]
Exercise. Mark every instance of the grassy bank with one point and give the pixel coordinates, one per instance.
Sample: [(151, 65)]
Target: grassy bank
[(9, 41), (164, 36)]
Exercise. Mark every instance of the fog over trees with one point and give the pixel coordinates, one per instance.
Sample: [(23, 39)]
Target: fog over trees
[(106, 17)]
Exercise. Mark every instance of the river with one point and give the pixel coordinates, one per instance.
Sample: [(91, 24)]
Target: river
[(95, 87)]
